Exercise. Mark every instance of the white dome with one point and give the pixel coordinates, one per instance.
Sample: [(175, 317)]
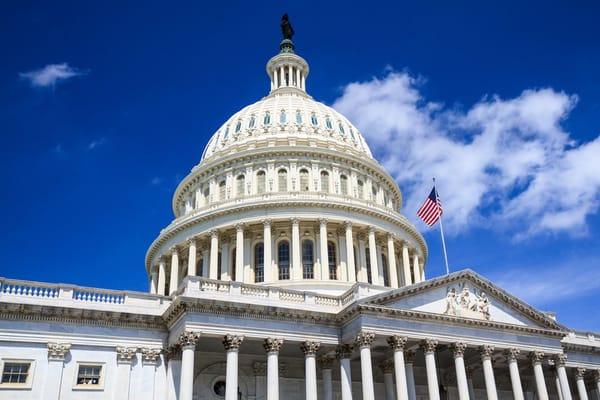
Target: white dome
[(286, 113)]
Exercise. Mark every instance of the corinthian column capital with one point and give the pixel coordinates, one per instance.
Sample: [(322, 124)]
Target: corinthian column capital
[(310, 348), (365, 339), (512, 353), (232, 342), (486, 351), (125, 354), (458, 349), (272, 345), (397, 342), (429, 345), (58, 351), (536, 356), (188, 338)]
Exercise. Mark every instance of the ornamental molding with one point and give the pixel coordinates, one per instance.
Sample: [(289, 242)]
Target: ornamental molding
[(310, 348), (465, 303), (150, 355), (125, 355), (79, 316), (365, 339), (58, 351), (397, 342), (232, 342), (344, 351), (272, 345)]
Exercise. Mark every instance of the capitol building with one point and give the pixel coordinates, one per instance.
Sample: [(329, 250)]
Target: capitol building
[(288, 272)]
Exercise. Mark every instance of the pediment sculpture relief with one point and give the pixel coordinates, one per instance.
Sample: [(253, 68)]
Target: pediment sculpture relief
[(464, 303)]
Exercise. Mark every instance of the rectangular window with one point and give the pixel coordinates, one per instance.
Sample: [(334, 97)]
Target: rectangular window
[(89, 375), (16, 373)]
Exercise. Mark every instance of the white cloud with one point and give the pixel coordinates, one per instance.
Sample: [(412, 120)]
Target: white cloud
[(503, 163), (156, 180), (544, 287), (50, 75), (96, 143)]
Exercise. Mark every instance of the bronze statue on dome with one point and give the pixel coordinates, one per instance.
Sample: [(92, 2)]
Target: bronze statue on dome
[(286, 27)]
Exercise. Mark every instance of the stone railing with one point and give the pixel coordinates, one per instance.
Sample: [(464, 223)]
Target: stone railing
[(195, 286), (40, 293)]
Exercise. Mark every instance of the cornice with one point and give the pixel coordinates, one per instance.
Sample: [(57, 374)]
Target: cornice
[(385, 215), (76, 316)]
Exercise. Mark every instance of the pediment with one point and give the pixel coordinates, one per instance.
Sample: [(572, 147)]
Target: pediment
[(465, 294)]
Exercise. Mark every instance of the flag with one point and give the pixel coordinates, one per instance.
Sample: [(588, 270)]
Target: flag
[(431, 210)]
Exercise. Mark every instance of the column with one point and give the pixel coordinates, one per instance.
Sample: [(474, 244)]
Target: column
[(232, 346), (391, 256), (409, 357), (458, 350), (260, 382), (597, 382), (470, 383), (540, 383), (416, 268), (174, 282), (364, 341), (268, 255), (559, 363), (162, 276), (272, 347), (557, 384), (324, 255), (513, 369), (214, 255), (239, 253), (310, 368), (428, 346), (125, 357), (350, 252), (191, 270), (205, 261), (225, 270), (397, 344), (56, 360), (380, 263), (298, 77), (362, 256), (153, 280), (325, 364), (173, 356), (187, 341), (343, 262), (406, 264), (344, 353), (373, 257), (296, 261), (146, 388), (281, 77), (488, 372), (579, 376), (387, 368)]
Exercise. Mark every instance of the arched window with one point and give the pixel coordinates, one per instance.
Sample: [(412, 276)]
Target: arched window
[(332, 260), (222, 190), (238, 127), (328, 123), (267, 119), (260, 182), (325, 181), (252, 122), (344, 184), (307, 260), (240, 182), (304, 180), (282, 180), (368, 253), (283, 260), (259, 263), (361, 189), (298, 117), (384, 266), (282, 117), (314, 120)]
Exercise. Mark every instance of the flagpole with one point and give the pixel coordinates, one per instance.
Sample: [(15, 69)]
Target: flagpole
[(442, 233)]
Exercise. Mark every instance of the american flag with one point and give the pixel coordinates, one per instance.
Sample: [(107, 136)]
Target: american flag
[(431, 210)]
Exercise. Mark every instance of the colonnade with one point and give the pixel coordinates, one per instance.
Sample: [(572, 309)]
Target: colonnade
[(398, 371), (359, 253)]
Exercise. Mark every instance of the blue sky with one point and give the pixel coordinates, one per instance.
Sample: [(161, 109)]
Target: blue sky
[(104, 107)]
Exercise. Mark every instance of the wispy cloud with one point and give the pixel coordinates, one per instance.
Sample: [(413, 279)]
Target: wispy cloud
[(96, 143), (502, 163), (156, 181), (543, 287), (51, 74)]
